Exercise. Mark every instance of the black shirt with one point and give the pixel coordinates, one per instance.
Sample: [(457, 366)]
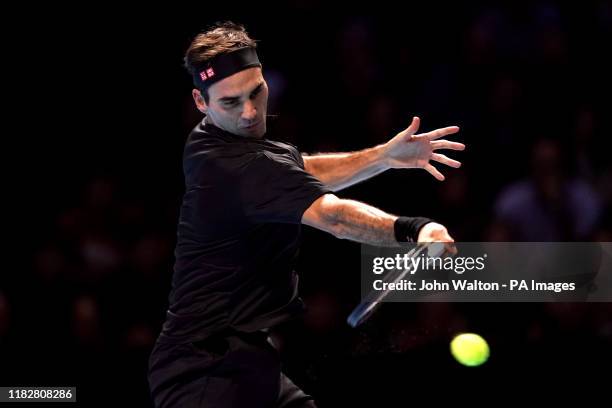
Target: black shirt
[(238, 235)]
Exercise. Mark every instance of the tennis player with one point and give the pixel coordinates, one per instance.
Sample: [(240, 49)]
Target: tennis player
[(245, 200)]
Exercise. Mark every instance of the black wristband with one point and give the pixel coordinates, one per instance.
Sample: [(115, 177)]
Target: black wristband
[(407, 228)]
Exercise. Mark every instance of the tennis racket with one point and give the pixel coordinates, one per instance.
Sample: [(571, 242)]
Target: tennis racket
[(370, 303)]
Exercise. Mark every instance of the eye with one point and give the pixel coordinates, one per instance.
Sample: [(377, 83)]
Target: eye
[(230, 104), (256, 92)]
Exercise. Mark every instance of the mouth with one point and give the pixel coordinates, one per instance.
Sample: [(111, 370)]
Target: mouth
[(252, 125)]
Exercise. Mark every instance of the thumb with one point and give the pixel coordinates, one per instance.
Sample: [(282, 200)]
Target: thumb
[(414, 127)]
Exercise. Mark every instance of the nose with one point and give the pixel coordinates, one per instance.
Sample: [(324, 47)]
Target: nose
[(249, 112)]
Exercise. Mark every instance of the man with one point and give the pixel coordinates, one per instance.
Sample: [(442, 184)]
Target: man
[(246, 198)]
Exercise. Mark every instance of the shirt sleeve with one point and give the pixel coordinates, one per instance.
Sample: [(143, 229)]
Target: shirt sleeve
[(275, 188)]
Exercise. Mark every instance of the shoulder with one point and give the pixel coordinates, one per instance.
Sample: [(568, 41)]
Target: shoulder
[(285, 152)]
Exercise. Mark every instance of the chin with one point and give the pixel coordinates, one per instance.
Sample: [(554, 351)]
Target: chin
[(258, 131)]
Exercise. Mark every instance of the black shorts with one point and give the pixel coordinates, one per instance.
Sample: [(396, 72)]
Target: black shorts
[(227, 370)]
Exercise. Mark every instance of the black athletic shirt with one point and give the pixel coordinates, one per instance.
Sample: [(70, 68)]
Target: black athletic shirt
[(238, 235)]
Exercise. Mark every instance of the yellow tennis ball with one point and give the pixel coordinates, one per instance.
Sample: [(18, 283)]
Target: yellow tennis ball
[(469, 349)]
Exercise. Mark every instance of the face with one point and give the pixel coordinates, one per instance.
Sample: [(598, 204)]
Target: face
[(237, 104)]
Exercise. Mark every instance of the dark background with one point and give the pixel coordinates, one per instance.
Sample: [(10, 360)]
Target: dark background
[(100, 109)]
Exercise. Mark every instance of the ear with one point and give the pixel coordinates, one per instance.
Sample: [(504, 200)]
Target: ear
[(199, 100)]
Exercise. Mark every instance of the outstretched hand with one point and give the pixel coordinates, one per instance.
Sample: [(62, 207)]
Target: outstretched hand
[(409, 150)]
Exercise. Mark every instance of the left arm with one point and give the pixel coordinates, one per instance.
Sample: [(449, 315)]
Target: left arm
[(405, 150), (341, 170)]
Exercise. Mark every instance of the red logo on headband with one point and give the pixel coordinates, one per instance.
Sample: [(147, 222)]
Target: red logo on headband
[(209, 73)]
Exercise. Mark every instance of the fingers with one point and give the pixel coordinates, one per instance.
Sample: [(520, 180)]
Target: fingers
[(450, 247), (441, 235), (438, 133), (447, 144), (434, 172), (434, 232), (414, 127), (440, 158)]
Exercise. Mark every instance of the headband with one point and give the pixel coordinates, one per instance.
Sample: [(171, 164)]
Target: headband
[(224, 65)]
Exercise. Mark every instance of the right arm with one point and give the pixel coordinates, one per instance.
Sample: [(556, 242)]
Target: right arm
[(349, 219), (360, 222)]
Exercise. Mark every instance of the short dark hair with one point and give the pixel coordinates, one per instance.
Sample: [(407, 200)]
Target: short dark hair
[(221, 38)]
